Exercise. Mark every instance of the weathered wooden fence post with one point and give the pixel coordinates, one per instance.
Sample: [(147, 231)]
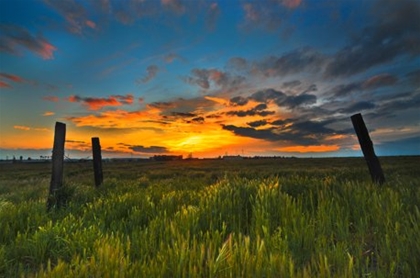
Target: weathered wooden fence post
[(367, 149), (97, 161), (57, 166)]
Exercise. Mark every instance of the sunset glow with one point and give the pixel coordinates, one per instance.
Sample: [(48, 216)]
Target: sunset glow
[(209, 78)]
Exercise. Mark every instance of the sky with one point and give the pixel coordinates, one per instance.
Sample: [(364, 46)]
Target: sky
[(209, 78)]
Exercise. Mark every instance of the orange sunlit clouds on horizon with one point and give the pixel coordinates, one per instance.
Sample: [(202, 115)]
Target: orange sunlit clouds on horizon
[(310, 149)]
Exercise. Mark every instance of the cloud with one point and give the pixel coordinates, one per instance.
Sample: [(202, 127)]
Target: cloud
[(238, 101), (169, 58), (297, 61), (21, 127), (310, 149), (374, 82), (357, 107), (257, 123), (4, 85), (265, 16), (296, 132), (13, 38), (213, 13), (75, 141), (205, 77), (299, 100), (291, 3), (12, 77), (27, 128), (198, 120), (51, 98), (395, 32), (152, 71), (151, 149), (176, 6), (291, 84), (183, 115), (90, 24), (162, 105), (258, 110), (379, 80), (98, 103), (414, 77), (74, 14), (283, 100), (48, 113)]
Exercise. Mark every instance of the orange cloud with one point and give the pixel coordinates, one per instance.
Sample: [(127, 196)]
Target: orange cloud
[(22, 127), (48, 113), (310, 149), (27, 128)]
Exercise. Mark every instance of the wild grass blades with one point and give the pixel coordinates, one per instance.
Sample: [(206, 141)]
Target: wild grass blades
[(305, 224)]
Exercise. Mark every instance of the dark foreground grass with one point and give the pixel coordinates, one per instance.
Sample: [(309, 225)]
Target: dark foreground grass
[(250, 218)]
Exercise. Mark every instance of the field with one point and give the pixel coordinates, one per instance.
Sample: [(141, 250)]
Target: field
[(250, 218)]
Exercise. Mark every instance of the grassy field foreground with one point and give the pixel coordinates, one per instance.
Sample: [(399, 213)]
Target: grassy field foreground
[(250, 218)]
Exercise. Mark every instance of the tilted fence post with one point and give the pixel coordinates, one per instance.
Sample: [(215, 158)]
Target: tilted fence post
[(366, 144), (57, 166), (97, 161)]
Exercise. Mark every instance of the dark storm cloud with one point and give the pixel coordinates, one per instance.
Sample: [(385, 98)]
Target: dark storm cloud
[(151, 149), (372, 83), (292, 84), (198, 120), (300, 100), (414, 77), (283, 100), (357, 107), (258, 110), (299, 132), (162, 105), (344, 90), (400, 102), (257, 123), (239, 100), (267, 95), (296, 61), (395, 32), (183, 115)]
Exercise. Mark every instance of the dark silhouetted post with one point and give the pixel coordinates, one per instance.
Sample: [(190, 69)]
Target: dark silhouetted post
[(367, 149), (57, 166), (97, 161)]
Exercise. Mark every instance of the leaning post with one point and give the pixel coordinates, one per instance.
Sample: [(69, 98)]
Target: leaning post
[(57, 166), (366, 144), (97, 161)]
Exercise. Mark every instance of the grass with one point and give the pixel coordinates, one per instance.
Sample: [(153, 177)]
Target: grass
[(250, 218)]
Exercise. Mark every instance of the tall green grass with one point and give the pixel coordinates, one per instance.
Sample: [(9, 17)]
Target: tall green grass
[(218, 223)]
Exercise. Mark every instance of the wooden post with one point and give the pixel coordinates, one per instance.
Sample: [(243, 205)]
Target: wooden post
[(97, 161), (57, 166), (367, 149)]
